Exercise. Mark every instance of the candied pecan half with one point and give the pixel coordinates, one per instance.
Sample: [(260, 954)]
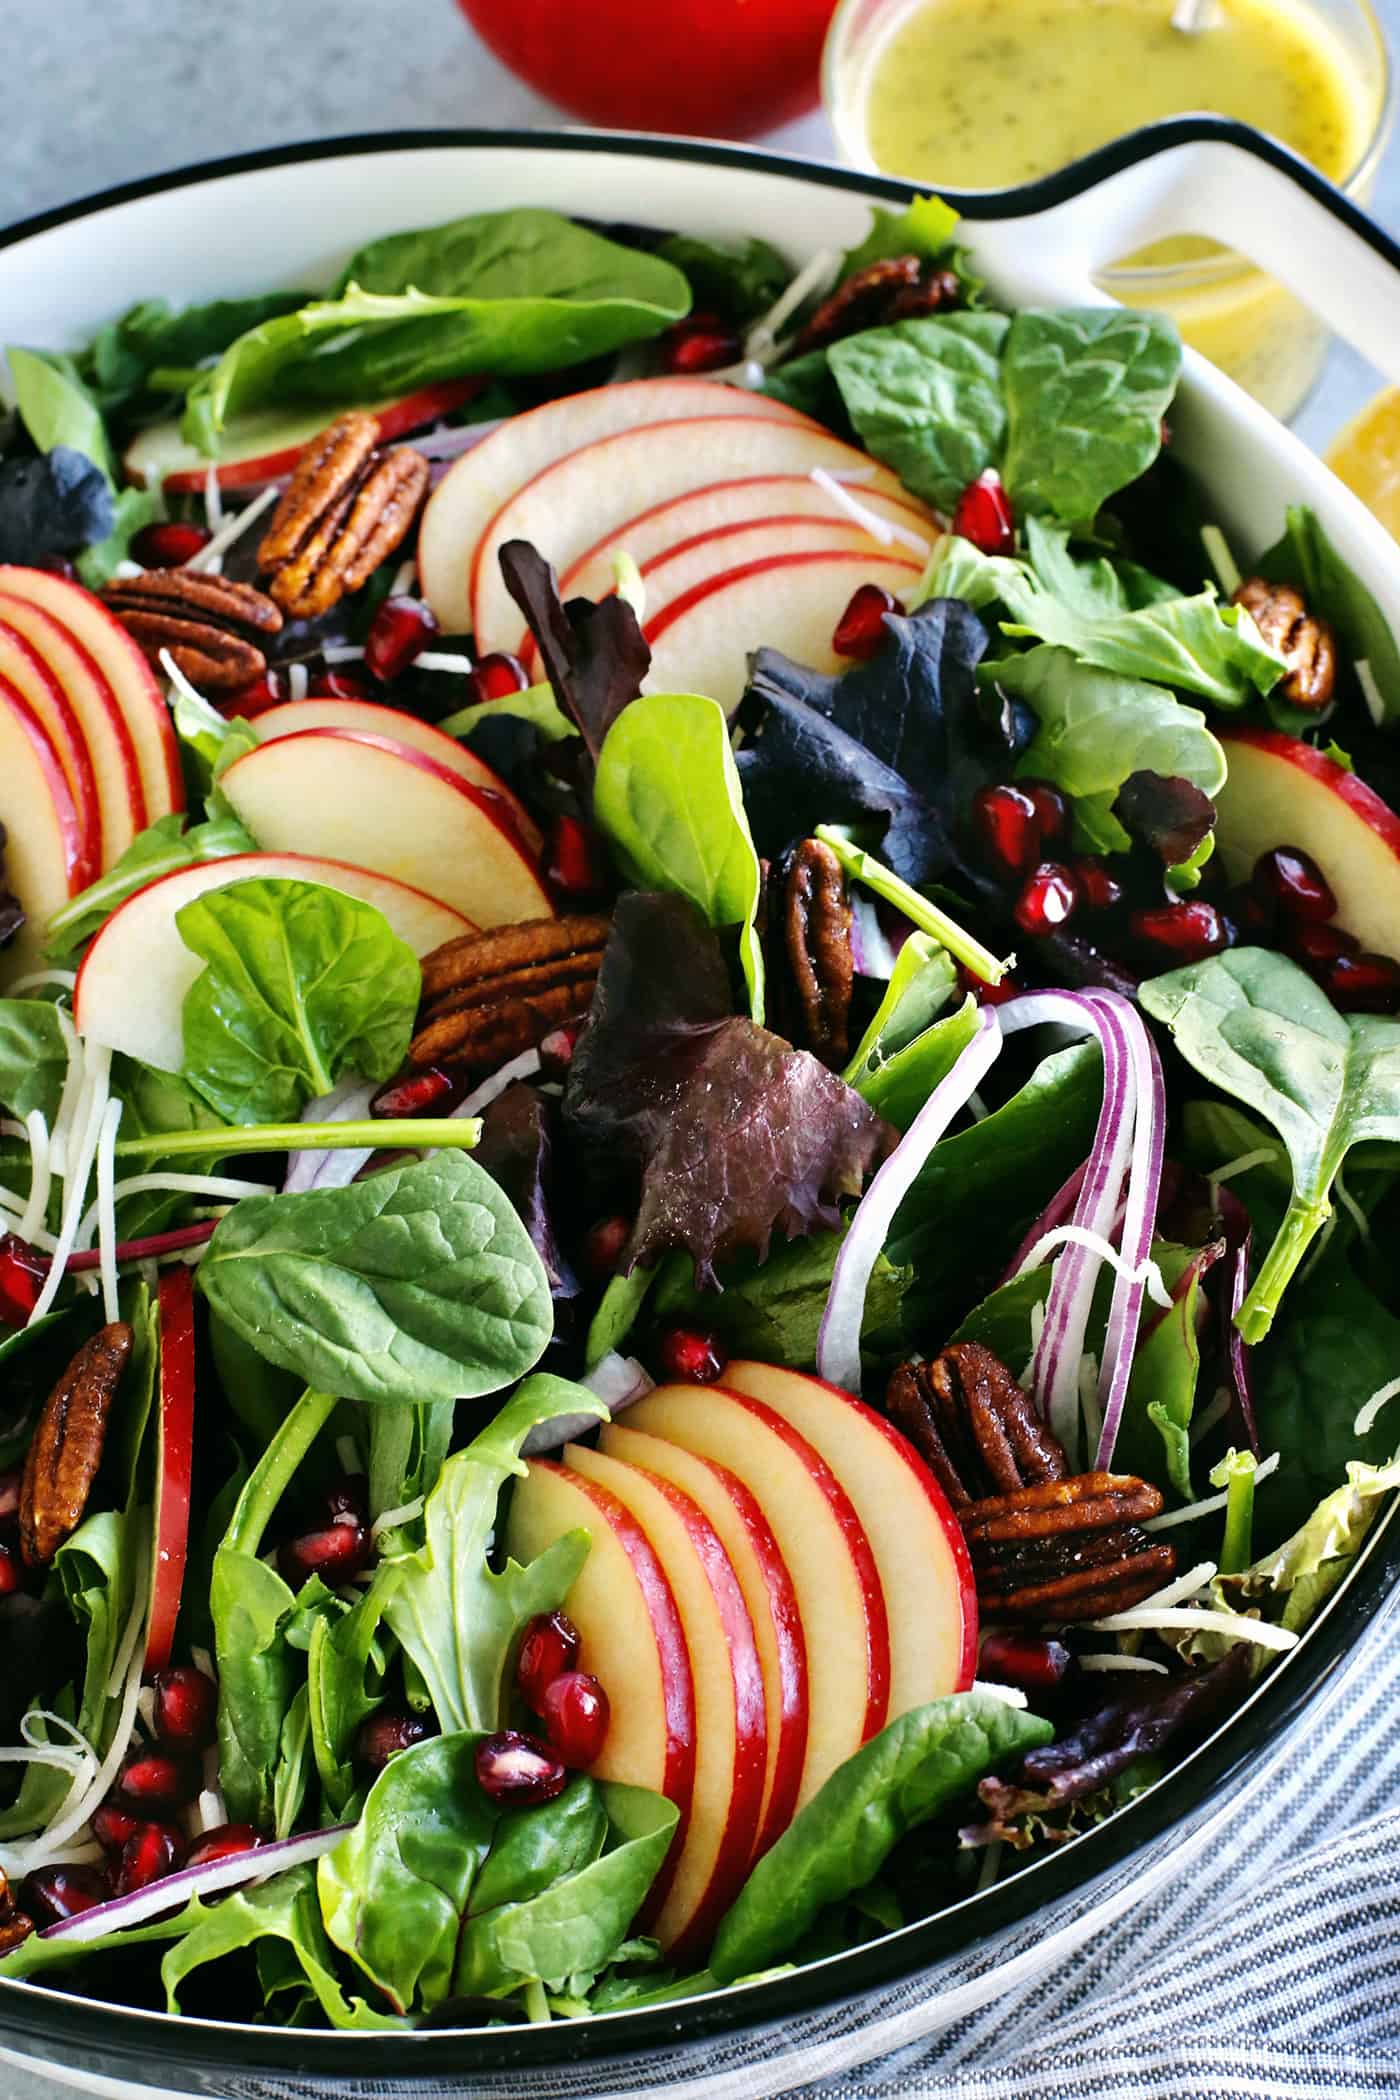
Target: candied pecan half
[(976, 1430), (66, 1448), (809, 954), (211, 626), (346, 508), (897, 288), (488, 996), (1307, 645), (15, 1926)]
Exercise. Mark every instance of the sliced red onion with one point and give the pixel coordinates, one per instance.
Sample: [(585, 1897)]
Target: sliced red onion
[(177, 1889), (838, 1343), (615, 1380), (871, 949), (524, 1066), (1139, 1217), (347, 1103)]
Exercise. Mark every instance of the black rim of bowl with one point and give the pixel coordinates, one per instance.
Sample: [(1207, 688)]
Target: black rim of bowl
[(130, 2042)]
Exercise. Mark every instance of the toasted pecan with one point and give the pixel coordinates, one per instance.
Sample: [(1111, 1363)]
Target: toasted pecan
[(66, 1448), (808, 943), (348, 505), (1306, 643), (488, 996), (976, 1429), (896, 288), (211, 626)]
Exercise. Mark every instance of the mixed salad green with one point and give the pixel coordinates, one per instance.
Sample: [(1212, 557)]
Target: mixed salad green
[(963, 1045)]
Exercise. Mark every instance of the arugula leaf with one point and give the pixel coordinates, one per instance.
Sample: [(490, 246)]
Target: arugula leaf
[(844, 1834), (925, 396), (924, 228), (1096, 728), (344, 1685), (161, 849), (1258, 1027), (1086, 391), (417, 1284), (303, 984), (1306, 558), (667, 797), (122, 358), (738, 280), (33, 1057), (456, 1618)]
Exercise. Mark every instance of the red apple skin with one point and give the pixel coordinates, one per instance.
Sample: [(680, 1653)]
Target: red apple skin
[(28, 675), (1348, 787), (175, 1460), (64, 812), (893, 571), (74, 669)]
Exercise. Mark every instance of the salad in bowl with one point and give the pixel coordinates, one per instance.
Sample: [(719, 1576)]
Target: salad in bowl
[(700, 1065)]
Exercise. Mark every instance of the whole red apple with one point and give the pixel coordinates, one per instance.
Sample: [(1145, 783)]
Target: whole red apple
[(724, 68)]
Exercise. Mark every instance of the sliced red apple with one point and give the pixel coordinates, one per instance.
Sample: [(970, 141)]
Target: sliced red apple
[(43, 836), (383, 805), (730, 1725), (823, 1545), (701, 642), (265, 443), (120, 795), (1283, 792), (126, 671), (174, 1460), (917, 1542), (291, 716), (570, 503), (747, 1538), (471, 492), (133, 980), (631, 1633), (36, 685)]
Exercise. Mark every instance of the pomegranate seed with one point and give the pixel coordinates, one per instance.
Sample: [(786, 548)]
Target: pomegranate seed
[(400, 631), (22, 1274), (54, 1893), (602, 1250), (338, 685), (983, 515), (9, 1494), (1099, 887), (495, 676), (57, 565), (987, 994), (516, 1769), (1362, 984), (699, 343), (1251, 913), (575, 859), (169, 545), (347, 1499), (149, 1854), (112, 1825), (691, 1355), (549, 1649), (557, 1050), (158, 1779), (1053, 810), (384, 1734), (1021, 1659), (11, 1571), (411, 1097), (224, 1841), (186, 1703), (1296, 884), (1047, 900), (337, 1554), (255, 698), (860, 631), (1316, 942), (1008, 822), (575, 1715), (1186, 932)]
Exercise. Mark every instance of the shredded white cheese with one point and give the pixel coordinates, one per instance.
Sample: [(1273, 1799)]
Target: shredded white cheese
[(761, 342), (214, 550), (391, 1519), (1169, 1518), (40, 1177), (1122, 1662), (405, 577), (1370, 691), (523, 1067), (106, 1208), (1369, 1409), (1183, 1618), (880, 528), (298, 681), (444, 660), (1262, 1156), (33, 979), (88, 1128), (343, 653), (72, 1088), (1146, 1272), (1009, 1694), (177, 1184), (213, 499), (83, 1797)]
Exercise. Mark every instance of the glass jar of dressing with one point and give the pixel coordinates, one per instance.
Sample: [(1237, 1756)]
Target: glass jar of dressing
[(985, 94)]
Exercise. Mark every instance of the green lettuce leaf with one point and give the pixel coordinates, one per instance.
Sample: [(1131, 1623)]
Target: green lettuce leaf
[(1086, 391)]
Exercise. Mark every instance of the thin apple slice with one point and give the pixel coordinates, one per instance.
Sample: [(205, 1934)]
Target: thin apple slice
[(174, 1460), (36, 685), (126, 671), (381, 804), (133, 980), (1283, 792), (288, 717), (471, 492), (570, 503), (918, 1545), (43, 836), (121, 797), (701, 642), (631, 1634), (823, 1544), (263, 444), (747, 1538), (730, 1724)]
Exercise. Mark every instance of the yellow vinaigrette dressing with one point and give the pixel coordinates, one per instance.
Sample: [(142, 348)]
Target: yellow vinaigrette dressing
[(981, 94)]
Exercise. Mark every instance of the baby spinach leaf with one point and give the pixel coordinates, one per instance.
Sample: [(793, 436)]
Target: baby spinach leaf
[(419, 1283), (843, 1836), (772, 1310), (161, 849), (1259, 1028), (668, 799), (56, 407), (33, 1057), (303, 984), (1086, 391), (122, 357), (737, 280), (1306, 558), (1094, 729), (925, 396), (456, 1618)]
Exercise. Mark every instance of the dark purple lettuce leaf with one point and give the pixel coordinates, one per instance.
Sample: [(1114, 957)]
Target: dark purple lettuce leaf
[(12, 912), (54, 503), (732, 1130), (1169, 815), (516, 1151), (595, 656)]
